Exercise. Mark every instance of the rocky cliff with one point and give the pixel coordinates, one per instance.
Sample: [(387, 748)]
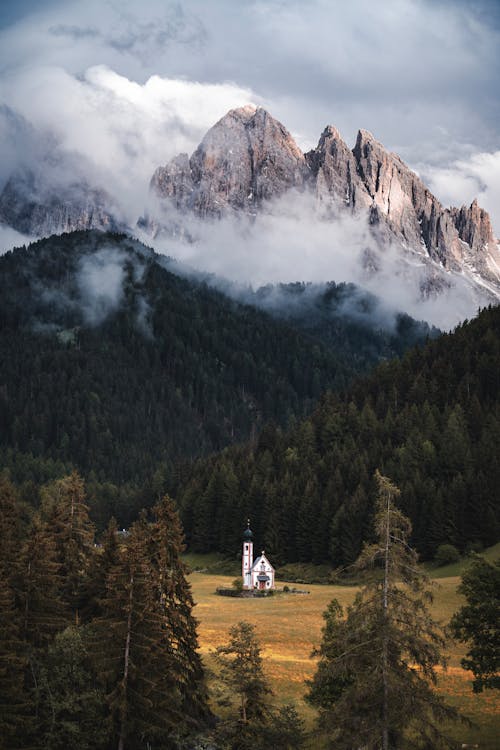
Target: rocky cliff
[(37, 209), (248, 158)]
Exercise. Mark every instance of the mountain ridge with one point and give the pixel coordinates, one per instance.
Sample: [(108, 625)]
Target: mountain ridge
[(248, 166), (248, 158), (117, 365)]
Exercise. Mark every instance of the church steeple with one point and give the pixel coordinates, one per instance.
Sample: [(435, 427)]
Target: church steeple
[(247, 534), (247, 557)]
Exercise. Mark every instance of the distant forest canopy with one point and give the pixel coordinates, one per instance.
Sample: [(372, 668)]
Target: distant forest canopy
[(140, 378), (116, 366), (430, 421)]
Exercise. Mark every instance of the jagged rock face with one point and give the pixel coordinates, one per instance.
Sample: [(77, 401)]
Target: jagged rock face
[(473, 225), (403, 202), (246, 158), (335, 171), (39, 211)]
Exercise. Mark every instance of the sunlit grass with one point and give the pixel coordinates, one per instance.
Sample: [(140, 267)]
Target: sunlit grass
[(289, 627), (458, 568)]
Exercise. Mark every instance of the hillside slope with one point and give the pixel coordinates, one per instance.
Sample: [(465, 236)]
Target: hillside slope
[(115, 365), (430, 421)]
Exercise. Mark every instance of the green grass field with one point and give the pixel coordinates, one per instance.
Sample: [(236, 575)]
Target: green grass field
[(289, 626)]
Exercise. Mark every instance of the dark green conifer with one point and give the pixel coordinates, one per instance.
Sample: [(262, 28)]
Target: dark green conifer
[(377, 668), (14, 704), (176, 604), (67, 515), (134, 653), (477, 623), (241, 671)]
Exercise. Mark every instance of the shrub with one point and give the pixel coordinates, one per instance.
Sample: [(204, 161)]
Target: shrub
[(446, 554)]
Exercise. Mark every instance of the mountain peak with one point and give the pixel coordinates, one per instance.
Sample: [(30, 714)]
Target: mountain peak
[(248, 157), (245, 158), (246, 112)]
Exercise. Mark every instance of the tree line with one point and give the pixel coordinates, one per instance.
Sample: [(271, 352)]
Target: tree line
[(430, 420), (98, 644), (122, 379)]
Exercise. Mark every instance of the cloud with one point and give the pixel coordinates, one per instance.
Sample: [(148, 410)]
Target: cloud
[(399, 68), (112, 90), (100, 278), (9, 239), (459, 183), (120, 130), (354, 65), (291, 242)]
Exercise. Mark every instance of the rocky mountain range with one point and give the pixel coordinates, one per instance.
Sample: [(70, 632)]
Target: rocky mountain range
[(32, 206), (248, 158), (247, 162)]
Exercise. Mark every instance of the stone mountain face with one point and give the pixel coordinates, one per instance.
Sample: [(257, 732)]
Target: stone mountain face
[(34, 208), (248, 157)]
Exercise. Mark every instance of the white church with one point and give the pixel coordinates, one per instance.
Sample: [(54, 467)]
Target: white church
[(259, 573)]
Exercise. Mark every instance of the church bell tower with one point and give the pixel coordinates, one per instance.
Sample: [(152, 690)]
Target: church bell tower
[(247, 558)]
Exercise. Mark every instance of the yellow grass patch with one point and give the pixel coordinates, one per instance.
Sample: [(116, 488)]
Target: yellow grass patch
[(289, 627)]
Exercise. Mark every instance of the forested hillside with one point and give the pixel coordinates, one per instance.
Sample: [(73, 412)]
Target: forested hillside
[(98, 644), (430, 421), (116, 366)]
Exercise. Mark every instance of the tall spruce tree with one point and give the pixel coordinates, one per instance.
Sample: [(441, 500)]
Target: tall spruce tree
[(71, 712), (257, 725), (175, 603), (67, 515), (132, 652), (377, 668), (477, 623), (14, 704), (240, 661), (39, 586), (13, 662), (146, 639)]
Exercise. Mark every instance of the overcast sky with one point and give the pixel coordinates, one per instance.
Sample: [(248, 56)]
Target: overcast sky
[(128, 83)]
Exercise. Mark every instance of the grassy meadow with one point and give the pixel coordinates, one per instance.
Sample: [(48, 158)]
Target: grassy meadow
[(289, 626)]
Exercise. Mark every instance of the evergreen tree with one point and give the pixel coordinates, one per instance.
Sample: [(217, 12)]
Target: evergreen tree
[(478, 623), (38, 587), (11, 528), (374, 680), (175, 602), (242, 672), (67, 515), (134, 652), (14, 707), (258, 725), (71, 713), (107, 556)]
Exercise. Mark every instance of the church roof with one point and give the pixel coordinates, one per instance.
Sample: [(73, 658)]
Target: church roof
[(261, 559)]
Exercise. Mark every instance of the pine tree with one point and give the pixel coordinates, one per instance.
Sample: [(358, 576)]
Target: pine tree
[(106, 557), (478, 623), (377, 666), (11, 528), (241, 671), (67, 516), (175, 603), (133, 650), (71, 711), (38, 587), (13, 699), (258, 725)]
